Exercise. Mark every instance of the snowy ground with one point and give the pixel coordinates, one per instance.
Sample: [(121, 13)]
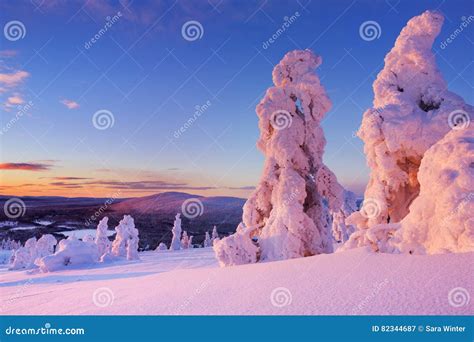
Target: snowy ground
[(190, 282)]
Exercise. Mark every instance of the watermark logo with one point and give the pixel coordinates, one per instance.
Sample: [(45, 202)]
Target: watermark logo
[(459, 119), (103, 297), (103, 119), (287, 22), (192, 208), (370, 30), (14, 30), (371, 208), (199, 110), (192, 30), (110, 21), (14, 208), (458, 297), (280, 297), (465, 22), (281, 119)]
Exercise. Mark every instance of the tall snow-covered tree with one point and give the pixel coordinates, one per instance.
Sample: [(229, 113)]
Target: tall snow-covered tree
[(101, 239), (132, 243), (215, 235), (412, 110), (286, 211), (207, 240), (176, 230)]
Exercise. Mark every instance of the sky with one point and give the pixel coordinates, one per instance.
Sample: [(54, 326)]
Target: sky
[(132, 98)]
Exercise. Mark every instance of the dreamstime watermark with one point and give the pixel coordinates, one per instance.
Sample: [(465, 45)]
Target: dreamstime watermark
[(110, 21), (14, 30), (290, 198), (459, 119), (370, 30), (371, 208), (46, 330), (370, 297), (14, 208), (103, 208), (287, 22), (458, 297), (280, 297), (22, 110), (192, 208), (103, 297), (281, 119), (464, 24), (192, 30), (103, 119), (199, 110)]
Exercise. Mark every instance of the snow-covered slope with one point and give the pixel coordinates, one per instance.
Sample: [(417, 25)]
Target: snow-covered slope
[(189, 282)]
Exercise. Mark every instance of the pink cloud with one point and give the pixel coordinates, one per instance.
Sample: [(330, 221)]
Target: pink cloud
[(13, 79), (70, 104)]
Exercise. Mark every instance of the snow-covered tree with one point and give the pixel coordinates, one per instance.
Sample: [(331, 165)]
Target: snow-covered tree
[(161, 247), (207, 240), (70, 252), (126, 239), (418, 145), (412, 110), (214, 236), (340, 230), (24, 257), (185, 240), (45, 245), (286, 211), (237, 249), (441, 217), (176, 230), (132, 243), (190, 244), (101, 239)]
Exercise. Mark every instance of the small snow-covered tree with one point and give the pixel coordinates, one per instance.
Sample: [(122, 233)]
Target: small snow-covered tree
[(45, 245), (185, 240), (190, 245), (412, 110), (340, 230), (24, 257), (161, 247), (215, 235), (286, 211), (101, 239), (207, 240), (176, 230)]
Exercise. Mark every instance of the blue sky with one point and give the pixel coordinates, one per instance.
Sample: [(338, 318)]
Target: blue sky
[(151, 79)]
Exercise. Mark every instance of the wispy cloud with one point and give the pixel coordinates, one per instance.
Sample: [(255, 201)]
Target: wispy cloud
[(14, 100), (14, 78), (70, 104), (25, 166), (8, 53)]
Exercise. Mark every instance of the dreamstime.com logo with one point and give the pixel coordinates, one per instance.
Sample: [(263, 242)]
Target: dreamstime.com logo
[(14, 208), (192, 30), (103, 297), (46, 330), (192, 208), (458, 297), (370, 30), (280, 297), (103, 119), (14, 30)]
